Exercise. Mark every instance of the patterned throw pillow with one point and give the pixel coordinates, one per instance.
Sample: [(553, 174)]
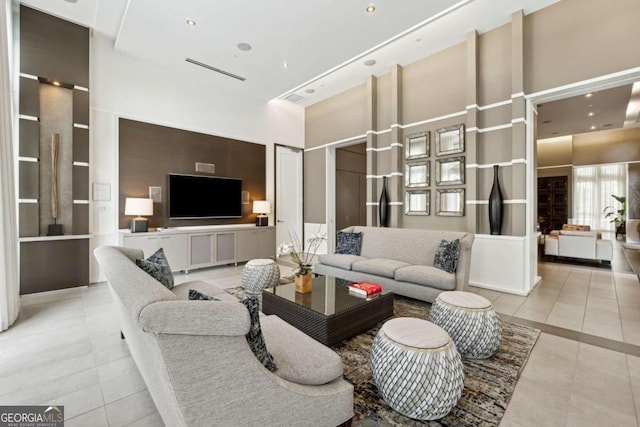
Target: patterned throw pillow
[(447, 254), (199, 296), (349, 243), (254, 337), (157, 267)]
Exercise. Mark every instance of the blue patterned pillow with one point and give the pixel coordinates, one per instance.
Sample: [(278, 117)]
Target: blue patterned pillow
[(349, 243), (254, 337), (157, 267), (199, 296), (447, 255)]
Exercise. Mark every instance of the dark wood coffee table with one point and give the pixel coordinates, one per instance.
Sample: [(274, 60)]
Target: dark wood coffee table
[(328, 313)]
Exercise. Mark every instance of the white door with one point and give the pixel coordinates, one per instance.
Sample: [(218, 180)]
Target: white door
[(288, 207)]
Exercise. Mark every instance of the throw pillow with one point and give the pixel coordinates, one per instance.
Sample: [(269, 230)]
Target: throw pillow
[(447, 254), (157, 267), (349, 243), (199, 296), (254, 337)]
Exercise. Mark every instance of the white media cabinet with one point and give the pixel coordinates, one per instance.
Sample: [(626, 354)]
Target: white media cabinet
[(188, 248)]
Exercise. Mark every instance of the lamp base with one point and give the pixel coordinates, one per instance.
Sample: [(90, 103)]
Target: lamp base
[(139, 225), (262, 221)]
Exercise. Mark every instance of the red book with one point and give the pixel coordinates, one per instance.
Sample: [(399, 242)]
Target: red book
[(365, 288)]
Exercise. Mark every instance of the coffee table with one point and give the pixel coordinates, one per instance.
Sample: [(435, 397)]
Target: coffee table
[(328, 313)]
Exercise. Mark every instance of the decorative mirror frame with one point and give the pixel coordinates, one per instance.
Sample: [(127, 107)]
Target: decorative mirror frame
[(407, 174), (440, 180), (460, 208), (455, 134), (415, 138), (423, 209)]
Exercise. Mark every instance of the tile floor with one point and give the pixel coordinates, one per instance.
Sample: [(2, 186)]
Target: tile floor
[(66, 349)]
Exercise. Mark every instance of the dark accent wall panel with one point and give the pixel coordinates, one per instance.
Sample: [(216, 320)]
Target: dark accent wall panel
[(81, 219), (80, 184), (80, 145), (81, 107), (29, 97), (29, 181), (50, 265), (29, 145), (53, 48), (29, 219), (148, 153)]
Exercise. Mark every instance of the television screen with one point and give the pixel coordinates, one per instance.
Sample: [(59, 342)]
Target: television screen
[(199, 196)]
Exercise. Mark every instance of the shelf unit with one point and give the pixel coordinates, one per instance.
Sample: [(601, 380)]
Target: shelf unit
[(553, 193)]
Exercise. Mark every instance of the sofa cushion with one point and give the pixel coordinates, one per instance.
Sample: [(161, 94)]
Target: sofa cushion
[(157, 267), (592, 234), (299, 358), (343, 261), (446, 257), (349, 243), (199, 296), (379, 266), (427, 276), (255, 337), (181, 291)]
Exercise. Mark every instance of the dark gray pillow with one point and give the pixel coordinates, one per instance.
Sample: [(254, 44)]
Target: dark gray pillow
[(157, 267), (349, 243), (199, 296), (447, 255), (254, 337)]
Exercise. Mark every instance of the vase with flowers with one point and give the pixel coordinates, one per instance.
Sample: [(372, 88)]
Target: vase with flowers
[(303, 258)]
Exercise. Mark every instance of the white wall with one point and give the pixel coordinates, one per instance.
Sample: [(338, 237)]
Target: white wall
[(195, 100)]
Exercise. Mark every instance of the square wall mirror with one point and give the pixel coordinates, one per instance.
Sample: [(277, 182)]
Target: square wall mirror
[(450, 140), (416, 174), (450, 202), (450, 171), (416, 202), (417, 146)]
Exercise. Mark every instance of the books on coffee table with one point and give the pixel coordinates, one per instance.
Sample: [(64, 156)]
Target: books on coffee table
[(366, 289)]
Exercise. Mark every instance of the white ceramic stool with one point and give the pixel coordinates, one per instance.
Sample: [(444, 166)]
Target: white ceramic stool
[(470, 321), (416, 368), (259, 274)]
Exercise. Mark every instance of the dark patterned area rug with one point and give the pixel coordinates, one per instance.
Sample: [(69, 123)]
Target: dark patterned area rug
[(488, 383)]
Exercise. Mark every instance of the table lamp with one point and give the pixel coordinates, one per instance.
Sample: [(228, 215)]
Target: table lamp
[(138, 206), (262, 208)]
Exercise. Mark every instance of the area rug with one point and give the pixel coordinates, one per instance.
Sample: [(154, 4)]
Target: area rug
[(488, 383)]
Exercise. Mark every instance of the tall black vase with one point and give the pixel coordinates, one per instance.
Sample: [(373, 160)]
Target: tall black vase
[(383, 206), (495, 204)]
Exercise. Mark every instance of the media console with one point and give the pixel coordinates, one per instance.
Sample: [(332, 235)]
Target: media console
[(188, 248)]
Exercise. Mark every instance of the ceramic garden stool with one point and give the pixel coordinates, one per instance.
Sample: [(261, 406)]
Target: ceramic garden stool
[(259, 274), (416, 368), (470, 321)]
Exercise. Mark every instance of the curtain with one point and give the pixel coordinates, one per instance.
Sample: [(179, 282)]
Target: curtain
[(9, 271), (592, 190)]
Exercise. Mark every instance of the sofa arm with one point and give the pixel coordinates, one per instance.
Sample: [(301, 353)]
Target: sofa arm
[(227, 318)]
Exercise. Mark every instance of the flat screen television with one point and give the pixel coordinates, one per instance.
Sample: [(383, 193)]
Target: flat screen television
[(200, 196)]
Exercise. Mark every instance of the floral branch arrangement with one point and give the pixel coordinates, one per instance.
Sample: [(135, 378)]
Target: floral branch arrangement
[(296, 250)]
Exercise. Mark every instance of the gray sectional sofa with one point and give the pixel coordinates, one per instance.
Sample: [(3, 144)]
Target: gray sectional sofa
[(401, 260), (198, 367)]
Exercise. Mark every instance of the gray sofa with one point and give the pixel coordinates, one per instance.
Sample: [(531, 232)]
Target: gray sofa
[(401, 260), (197, 364)]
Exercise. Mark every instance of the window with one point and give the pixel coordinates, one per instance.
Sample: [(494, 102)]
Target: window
[(592, 190)]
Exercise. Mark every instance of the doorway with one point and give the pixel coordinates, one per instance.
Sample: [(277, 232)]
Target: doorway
[(288, 183), (351, 186)]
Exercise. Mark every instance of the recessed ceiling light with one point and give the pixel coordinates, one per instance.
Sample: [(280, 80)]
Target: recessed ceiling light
[(590, 113), (592, 127), (285, 64), (547, 121), (310, 90), (607, 125), (418, 40), (589, 95), (191, 23), (71, 1), (554, 133), (56, 83), (245, 47), (370, 9), (370, 62)]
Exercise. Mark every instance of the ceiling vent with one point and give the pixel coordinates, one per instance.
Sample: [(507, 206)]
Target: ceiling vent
[(217, 70), (294, 98)]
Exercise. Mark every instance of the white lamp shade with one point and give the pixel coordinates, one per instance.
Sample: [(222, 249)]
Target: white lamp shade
[(138, 206), (261, 207)]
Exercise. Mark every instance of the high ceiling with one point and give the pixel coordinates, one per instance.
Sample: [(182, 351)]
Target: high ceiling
[(324, 44)]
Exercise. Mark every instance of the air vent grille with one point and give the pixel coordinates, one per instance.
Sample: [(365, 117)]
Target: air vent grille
[(217, 70), (294, 98)]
